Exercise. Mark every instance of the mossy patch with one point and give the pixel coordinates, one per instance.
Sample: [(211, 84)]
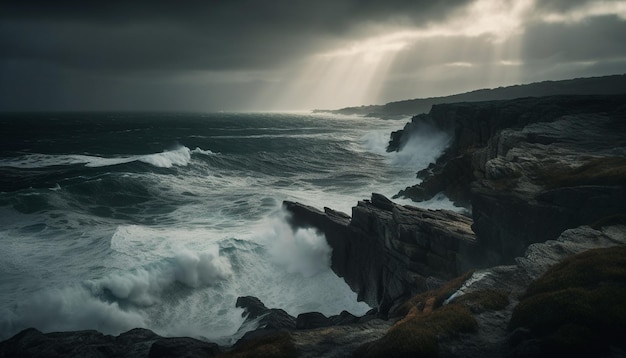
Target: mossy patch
[(484, 300), (419, 335), (586, 270), (579, 305), (280, 345), (439, 295), (597, 171), (426, 321)]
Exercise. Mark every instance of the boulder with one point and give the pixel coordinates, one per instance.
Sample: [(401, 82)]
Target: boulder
[(310, 320)]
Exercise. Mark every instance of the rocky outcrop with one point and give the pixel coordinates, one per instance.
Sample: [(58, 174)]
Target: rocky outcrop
[(267, 318), (388, 252), (493, 338), (513, 162)]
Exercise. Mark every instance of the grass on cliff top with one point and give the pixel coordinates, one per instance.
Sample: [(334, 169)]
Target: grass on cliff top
[(279, 345), (427, 321), (579, 305), (597, 171)]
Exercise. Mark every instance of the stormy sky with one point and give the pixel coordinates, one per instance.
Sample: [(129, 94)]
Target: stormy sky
[(270, 55)]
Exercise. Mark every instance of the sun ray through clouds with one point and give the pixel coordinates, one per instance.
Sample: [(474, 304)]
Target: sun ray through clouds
[(356, 73)]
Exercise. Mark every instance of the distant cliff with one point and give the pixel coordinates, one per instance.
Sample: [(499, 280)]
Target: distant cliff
[(606, 85)]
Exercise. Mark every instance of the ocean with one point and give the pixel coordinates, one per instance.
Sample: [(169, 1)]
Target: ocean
[(112, 221)]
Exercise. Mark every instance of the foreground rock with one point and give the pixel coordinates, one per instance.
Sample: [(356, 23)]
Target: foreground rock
[(387, 252), (134, 343), (491, 333)]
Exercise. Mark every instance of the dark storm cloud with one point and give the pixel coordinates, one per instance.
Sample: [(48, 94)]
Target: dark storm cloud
[(131, 35), (244, 54), (564, 5), (597, 38)]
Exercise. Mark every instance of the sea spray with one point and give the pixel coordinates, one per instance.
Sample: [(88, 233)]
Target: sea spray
[(300, 250)]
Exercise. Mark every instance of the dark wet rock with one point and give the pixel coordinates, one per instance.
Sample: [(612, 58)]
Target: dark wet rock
[(338, 341), (33, 343), (268, 318), (134, 343), (344, 318), (387, 252), (182, 347), (270, 321), (310, 320)]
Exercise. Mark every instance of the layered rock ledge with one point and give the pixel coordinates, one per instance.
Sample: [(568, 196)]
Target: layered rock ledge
[(388, 252)]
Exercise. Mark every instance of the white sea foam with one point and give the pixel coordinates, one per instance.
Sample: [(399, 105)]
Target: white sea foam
[(144, 286), (68, 308), (183, 281), (167, 159), (202, 151), (119, 301)]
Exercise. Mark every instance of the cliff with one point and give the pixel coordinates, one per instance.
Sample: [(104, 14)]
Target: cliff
[(528, 168)]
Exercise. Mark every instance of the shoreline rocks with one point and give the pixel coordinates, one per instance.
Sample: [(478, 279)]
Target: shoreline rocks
[(137, 342)]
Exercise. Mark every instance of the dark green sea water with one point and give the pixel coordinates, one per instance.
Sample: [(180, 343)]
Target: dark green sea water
[(111, 221)]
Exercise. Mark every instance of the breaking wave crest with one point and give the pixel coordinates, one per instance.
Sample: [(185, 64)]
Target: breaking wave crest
[(180, 156)]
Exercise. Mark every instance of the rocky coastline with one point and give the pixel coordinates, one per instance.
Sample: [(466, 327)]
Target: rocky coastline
[(542, 179)]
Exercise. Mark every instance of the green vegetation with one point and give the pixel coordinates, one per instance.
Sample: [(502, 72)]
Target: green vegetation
[(427, 321), (597, 171), (484, 300), (418, 335), (279, 345), (579, 305)]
